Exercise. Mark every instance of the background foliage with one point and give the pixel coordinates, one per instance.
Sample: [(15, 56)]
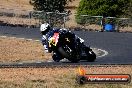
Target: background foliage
[(49, 5), (105, 8), (113, 8)]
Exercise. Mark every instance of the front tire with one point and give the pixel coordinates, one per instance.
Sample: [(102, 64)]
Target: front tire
[(56, 57), (73, 58)]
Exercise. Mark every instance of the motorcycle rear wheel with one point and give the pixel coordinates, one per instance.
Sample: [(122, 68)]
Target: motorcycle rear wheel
[(91, 56)]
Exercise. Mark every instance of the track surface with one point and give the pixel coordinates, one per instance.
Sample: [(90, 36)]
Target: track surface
[(118, 45)]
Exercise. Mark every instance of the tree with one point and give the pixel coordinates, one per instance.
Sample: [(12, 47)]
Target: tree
[(128, 11), (114, 8), (49, 5)]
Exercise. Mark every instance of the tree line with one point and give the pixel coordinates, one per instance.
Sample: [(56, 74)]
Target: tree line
[(114, 8)]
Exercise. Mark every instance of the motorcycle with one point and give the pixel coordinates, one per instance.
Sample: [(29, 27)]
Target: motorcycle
[(66, 44)]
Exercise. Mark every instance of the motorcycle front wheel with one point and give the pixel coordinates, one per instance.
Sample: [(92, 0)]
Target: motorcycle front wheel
[(71, 57), (56, 57)]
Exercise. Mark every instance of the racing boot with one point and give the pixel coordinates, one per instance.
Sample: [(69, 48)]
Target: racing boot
[(46, 49)]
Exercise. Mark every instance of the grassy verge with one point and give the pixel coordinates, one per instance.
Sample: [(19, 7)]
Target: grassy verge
[(16, 50), (57, 77)]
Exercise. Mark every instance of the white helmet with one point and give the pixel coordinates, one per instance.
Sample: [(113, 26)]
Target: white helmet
[(45, 27)]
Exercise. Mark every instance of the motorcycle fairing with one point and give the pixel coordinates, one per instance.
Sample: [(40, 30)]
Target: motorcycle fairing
[(54, 40)]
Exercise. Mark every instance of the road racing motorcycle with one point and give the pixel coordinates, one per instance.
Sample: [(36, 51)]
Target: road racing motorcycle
[(66, 44)]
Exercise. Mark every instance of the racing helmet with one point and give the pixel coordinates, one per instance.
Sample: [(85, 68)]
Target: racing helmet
[(45, 28)]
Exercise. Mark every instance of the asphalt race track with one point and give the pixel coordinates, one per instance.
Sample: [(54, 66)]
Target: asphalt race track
[(118, 45)]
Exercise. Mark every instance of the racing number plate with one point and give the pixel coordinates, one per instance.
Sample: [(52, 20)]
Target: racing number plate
[(56, 37), (54, 40)]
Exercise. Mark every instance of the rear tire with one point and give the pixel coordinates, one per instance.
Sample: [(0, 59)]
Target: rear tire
[(91, 56)]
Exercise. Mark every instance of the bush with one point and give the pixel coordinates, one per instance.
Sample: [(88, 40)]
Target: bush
[(112, 8), (49, 5)]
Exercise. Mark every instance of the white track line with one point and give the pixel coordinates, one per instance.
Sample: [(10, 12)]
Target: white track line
[(105, 53), (50, 61), (38, 62), (12, 37), (29, 39), (3, 36), (37, 40), (19, 38), (20, 63)]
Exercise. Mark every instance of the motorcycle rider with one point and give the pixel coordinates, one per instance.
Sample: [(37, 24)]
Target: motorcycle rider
[(45, 28), (47, 31)]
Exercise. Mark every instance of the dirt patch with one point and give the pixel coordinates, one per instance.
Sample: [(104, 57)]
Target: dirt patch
[(16, 50), (125, 29), (16, 4), (18, 21), (57, 77)]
